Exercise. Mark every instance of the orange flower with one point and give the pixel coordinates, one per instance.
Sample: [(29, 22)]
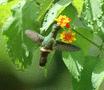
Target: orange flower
[(67, 37), (63, 21)]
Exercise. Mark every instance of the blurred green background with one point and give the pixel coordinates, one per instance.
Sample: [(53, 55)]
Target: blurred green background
[(33, 78), (60, 74)]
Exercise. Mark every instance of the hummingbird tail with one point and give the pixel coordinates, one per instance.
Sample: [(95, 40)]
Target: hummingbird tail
[(43, 58)]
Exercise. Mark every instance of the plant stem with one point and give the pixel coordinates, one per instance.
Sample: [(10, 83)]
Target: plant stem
[(87, 39)]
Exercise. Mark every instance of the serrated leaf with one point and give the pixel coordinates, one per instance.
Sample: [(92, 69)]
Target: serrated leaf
[(93, 14), (98, 74), (96, 8), (74, 63), (44, 5), (85, 80), (78, 4), (3, 49), (53, 13), (19, 46)]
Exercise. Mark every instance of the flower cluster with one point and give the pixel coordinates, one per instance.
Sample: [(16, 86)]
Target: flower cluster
[(65, 36), (63, 21)]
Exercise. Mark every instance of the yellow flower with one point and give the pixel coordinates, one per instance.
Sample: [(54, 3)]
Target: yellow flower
[(63, 21), (67, 37)]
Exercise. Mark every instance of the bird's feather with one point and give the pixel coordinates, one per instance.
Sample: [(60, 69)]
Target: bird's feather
[(65, 46)]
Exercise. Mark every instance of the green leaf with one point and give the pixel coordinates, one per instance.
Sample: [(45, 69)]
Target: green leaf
[(78, 4), (85, 80), (44, 5), (96, 51), (96, 8), (53, 13), (20, 48), (74, 63), (101, 35), (98, 74), (5, 11), (3, 54), (93, 14), (84, 35)]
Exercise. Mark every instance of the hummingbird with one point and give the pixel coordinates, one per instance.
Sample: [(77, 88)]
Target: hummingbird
[(49, 43)]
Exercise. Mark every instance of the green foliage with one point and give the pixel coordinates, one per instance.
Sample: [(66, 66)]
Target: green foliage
[(93, 14), (86, 66), (44, 6), (53, 13), (85, 80), (17, 41), (78, 4), (5, 11), (98, 74), (74, 63)]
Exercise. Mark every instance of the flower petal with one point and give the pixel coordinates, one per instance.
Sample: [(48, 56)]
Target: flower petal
[(67, 37), (63, 21)]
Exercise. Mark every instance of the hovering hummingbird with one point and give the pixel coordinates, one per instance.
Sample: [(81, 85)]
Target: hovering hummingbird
[(49, 43)]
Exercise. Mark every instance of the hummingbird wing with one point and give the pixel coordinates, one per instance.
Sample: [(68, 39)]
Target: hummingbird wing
[(35, 37), (65, 46)]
